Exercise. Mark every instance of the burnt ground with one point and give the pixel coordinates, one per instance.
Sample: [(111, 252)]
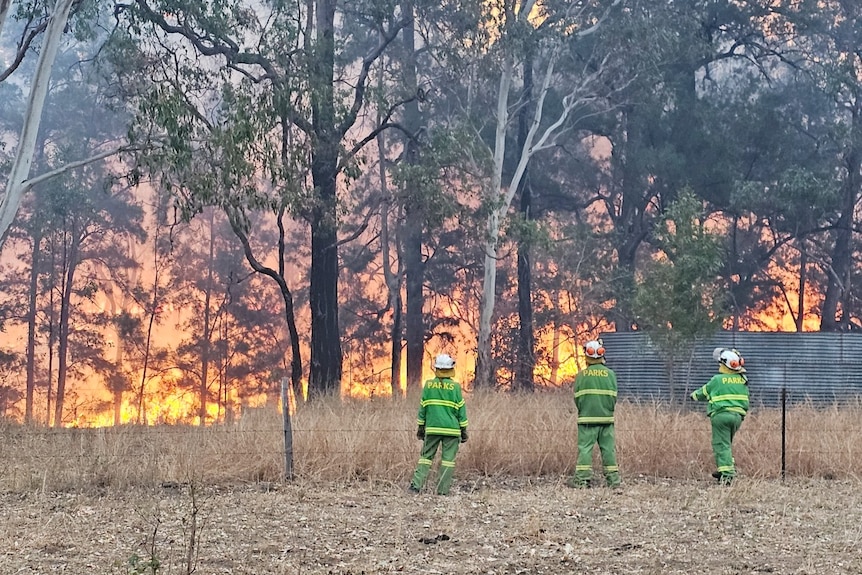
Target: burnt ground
[(487, 526)]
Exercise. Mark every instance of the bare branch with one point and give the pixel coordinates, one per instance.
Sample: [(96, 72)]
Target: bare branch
[(370, 136), (32, 182), (20, 169), (209, 46), (362, 227), (22, 49), (361, 83)]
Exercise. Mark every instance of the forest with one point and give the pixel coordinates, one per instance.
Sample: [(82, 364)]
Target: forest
[(201, 200)]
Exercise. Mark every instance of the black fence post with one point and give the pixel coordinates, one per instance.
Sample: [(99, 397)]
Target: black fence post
[(783, 432)]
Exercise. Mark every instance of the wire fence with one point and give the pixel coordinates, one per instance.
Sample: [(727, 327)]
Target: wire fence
[(513, 435)]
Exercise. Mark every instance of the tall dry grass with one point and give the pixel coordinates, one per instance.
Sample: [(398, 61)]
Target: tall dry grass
[(510, 435)]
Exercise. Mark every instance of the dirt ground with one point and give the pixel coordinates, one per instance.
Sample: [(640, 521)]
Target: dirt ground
[(487, 526)]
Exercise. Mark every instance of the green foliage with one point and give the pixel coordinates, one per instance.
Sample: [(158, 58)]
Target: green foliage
[(797, 198), (530, 232), (143, 566), (678, 297), (435, 184)]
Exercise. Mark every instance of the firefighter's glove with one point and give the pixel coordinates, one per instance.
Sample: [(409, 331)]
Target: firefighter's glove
[(463, 435), (420, 432)]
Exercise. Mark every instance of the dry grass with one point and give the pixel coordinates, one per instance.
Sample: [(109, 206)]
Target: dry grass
[(511, 436)]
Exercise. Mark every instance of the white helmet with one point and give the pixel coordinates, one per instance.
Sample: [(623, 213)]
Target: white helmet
[(444, 361), (594, 349), (730, 358)]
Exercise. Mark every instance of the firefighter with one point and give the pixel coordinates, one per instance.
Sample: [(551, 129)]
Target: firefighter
[(595, 399), (727, 394), (442, 421)]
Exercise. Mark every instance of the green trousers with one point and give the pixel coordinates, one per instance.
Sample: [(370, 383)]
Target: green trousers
[(725, 424), (449, 449), (588, 436)]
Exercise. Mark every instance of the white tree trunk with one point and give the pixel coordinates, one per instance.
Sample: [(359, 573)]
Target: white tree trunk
[(500, 197), (20, 171), (489, 281), (501, 200)]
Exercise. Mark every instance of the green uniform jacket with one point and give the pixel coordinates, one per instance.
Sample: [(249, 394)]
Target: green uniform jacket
[(725, 392), (442, 410), (596, 394)]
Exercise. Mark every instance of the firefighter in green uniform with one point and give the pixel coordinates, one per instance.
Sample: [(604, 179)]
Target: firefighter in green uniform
[(727, 394), (442, 422), (595, 398)]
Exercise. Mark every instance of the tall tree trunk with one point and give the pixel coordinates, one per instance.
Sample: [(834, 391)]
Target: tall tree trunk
[(52, 330), (393, 284), (838, 274), (414, 266), (295, 357), (286, 295), (154, 304), (326, 354), (142, 390), (71, 261), (526, 357), (117, 389), (207, 331), (392, 279), (484, 361), (32, 294), (224, 381), (500, 198), (629, 229), (803, 278), (555, 343), (16, 184), (414, 271)]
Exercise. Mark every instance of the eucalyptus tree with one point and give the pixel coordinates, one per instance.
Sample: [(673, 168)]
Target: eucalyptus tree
[(51, 22), (229, 330), (413, 230), (665, 134), (88, 224), (828, 35), (250, 346), (555, 32), (783, 206), (19, 172), (31, 230), (424, 178), (416, 176), (526, 354), (74, 121), (137, 289), (206, 297), (265, 92)]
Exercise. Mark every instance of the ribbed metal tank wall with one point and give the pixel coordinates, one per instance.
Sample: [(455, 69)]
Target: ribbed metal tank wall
[(820, 367)]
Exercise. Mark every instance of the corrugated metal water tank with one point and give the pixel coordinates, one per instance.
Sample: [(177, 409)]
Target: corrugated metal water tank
[(819, 367)]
